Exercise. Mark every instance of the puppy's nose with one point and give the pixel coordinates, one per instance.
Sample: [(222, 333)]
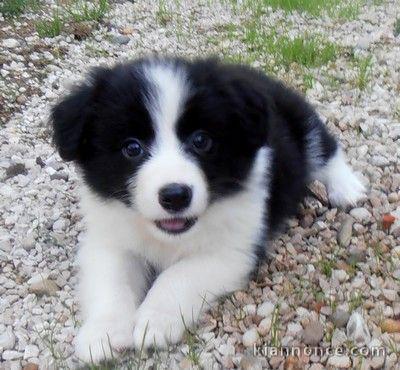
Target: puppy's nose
[(175, 197)]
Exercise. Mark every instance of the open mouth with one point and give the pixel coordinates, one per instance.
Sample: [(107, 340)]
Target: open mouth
[(175, 225)]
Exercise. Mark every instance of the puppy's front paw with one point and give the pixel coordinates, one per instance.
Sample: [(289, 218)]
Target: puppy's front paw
[(344, 188), (346, 191), (156, 328), (102, 339)]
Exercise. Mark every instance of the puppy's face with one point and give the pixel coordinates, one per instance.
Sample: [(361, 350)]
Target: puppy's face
[(167, 138)]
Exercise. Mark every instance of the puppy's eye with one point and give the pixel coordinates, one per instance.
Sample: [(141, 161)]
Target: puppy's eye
[(132, 149), (201, 142)]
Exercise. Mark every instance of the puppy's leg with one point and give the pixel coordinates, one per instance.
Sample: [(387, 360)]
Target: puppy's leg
[(182, 291), (344, 188), (328, 165), (111, 286)]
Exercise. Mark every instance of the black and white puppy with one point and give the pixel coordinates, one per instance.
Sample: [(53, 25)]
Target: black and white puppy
[(188, 168)]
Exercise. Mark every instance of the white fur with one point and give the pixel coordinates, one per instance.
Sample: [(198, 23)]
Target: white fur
[(197, 268), (168, 162), (169, 89), (344, 188), (219, 261)]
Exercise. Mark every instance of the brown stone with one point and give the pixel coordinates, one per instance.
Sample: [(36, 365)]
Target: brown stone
[(31, 366)]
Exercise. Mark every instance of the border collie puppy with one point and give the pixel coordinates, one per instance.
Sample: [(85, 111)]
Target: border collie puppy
[(189, 168)]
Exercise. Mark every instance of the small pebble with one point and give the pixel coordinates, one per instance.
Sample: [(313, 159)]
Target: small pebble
[(345, 232), (15, 170), (313, 333), (44, 287), (341, 362), (340, 318), (121, 39), (31, 351), (361, 214), (9, 355), (357, 330), (10, 43), (265, 309), (250, 337), (250, 363)]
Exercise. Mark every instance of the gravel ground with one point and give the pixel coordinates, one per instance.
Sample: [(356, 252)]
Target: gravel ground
[(333, 277)]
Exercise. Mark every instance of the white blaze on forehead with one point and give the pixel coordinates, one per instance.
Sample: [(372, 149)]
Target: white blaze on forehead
[(168, 92)]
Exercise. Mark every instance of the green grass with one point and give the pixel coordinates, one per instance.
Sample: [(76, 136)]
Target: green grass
[(12, 8), (326, 267), (393, 347), (51, 27), (78, 11), (346, 11), (306, 50), (83, 11), (195, 346), (308, 81), (379, 253), (48, 339), (338, 9), (314, 7), (396, 30), (364, 69), (275, 327), (356, 300), (163, 13)]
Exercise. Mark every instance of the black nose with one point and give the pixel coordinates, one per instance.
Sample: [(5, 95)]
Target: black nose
[(175, 197)]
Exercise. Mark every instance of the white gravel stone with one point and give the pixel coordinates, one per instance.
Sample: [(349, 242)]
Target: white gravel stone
[(250, 309), (361, 214), (345, 232), (250, 337), (59, 225), (264, 326), (250, 363), (390, 295), (340, 275), (338, 338), (10, 43), (377, 362), (7, 340), (341, 362), (226, 349), (9, 355), (265, 309), (357, 330), (5, 244), (31, 351), (294, 329)]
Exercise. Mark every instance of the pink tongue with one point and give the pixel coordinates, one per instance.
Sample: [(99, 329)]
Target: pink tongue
[(173, 224)]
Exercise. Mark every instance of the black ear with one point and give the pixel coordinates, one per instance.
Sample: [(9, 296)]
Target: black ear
[(72, 114), (69, 118), (254, 105)]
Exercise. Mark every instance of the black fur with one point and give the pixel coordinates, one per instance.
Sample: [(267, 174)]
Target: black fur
[(93, 122), (231, 105), (241, 109)]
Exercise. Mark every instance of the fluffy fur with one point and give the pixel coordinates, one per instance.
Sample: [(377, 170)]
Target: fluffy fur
[(244, 144)]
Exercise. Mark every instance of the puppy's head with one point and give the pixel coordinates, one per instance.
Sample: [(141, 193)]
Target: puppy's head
[(168, 138)]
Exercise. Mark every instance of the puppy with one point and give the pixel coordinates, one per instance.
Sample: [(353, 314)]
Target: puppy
[(189, 168)]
